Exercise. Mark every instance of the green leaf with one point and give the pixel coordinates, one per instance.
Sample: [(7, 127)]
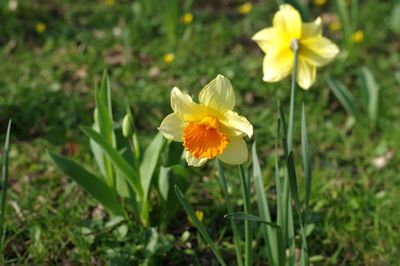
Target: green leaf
[(371, 93), (344, 96), (168, 177), (395, 19), (91, 183), (242, 216), (293, 179), (4, 184), (119, 162), (150, 159), (229, 207), (200, 227), (263, 208)]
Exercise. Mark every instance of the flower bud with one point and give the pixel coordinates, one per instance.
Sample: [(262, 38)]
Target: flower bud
[(127, 126)]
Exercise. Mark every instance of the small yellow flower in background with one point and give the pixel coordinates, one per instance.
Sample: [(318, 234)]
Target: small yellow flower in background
[(40, 27), (169, 58), (199, 215), (319, 2), (357, 36), (335, 26), (245, 8), (276, 41), (109, 2), (209, 129), (187, 18)]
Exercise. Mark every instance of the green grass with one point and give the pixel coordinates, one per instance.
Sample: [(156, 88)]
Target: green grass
[(47, 89)]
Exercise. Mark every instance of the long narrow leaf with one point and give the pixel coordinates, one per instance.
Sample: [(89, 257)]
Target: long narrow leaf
[(242, 216), (371, 92), (150, 159), (91, 183), (122, 165), (263, 208), (344, 96), (229, 207), (200, 227), (4, 184)]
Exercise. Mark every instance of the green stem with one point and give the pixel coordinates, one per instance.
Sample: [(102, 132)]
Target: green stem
[(291, 235), (247, 224), (295, 47), (229, 207)]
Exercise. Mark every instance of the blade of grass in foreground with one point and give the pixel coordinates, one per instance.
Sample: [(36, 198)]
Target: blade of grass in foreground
[(4, 184), (190, 212)]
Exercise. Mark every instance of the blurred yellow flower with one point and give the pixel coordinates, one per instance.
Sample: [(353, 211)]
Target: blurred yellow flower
[(211, 128), (199, 215), (278, 40), (357, 36), (109, 2), (245, 8), (187, 18), (40, 27), (169, 58), (335, 26), (319, 2)]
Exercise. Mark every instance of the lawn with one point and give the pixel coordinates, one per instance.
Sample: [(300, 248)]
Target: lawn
[(53, 54)]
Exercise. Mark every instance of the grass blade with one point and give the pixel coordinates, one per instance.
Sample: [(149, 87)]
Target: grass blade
[(119, 162), (190, 212), (344, 96), (91, 183), (4, 185), (263, 208), (242, 216)]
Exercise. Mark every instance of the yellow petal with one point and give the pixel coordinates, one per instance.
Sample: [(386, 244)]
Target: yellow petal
[(277, 67), (182, 104), (311, 29), (306, 74), (236, 152), (234, 124), (318, 51), (287, 22), (172, 127), (218, 94), (192, 161), (269, 40)]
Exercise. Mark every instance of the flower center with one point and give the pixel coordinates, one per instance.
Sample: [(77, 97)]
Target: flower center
[(203, 139)]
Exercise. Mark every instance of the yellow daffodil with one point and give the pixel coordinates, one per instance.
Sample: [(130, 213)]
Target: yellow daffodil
[(319, 2), (245, 8), (199, 215), (335, 26), (40, 27), (187, 18), (169, 58), (288, 28), (109, 2), (208, 129), (357, 36)]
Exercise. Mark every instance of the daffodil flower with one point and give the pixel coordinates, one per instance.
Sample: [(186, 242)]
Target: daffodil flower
[(208, 129), (276, 41)]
